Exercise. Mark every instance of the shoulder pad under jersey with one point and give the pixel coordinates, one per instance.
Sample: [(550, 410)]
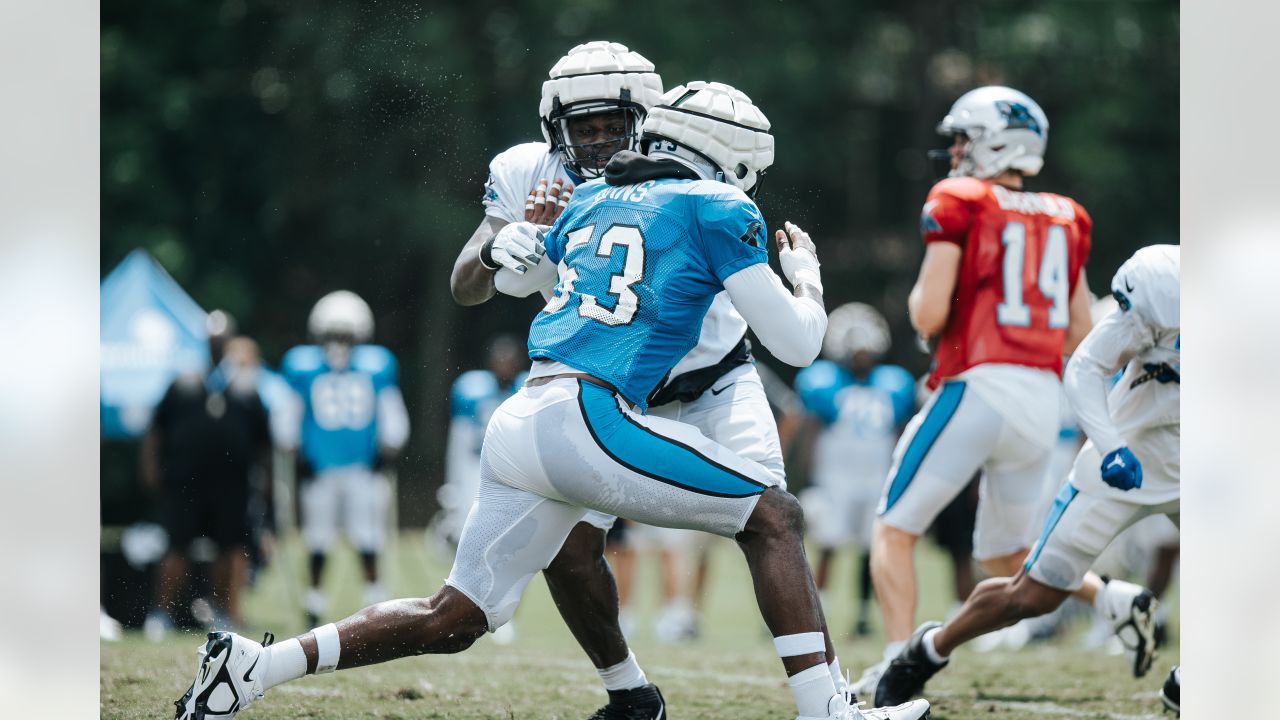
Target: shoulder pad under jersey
[(818, 385)]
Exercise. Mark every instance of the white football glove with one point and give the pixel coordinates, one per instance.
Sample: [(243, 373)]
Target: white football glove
[(800, 265), (517, 247), (542, 276)]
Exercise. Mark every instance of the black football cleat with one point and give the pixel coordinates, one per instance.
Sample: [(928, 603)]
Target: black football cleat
[(642, 703), (1171, 693), (907, 673)]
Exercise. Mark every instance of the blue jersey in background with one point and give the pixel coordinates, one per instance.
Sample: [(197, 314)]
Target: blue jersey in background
[(639, 266), (882, 401), (340, 416)]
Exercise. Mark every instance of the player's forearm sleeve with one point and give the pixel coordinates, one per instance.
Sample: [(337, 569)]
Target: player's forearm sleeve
[(393, 419), (1087, 378), (790, 327)]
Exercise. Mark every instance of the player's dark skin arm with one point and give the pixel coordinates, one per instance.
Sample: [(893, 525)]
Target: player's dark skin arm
[(472, 282)]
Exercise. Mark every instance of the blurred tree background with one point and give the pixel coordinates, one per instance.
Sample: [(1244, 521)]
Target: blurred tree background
[(269, 151)]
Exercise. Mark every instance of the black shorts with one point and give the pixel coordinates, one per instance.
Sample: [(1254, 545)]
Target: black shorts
[(212, 509)]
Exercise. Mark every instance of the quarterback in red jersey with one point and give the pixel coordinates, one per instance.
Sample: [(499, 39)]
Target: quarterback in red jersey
[(1002, 296)]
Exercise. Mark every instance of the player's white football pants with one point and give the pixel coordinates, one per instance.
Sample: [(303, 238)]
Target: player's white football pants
[(953, 436), (553, 451)]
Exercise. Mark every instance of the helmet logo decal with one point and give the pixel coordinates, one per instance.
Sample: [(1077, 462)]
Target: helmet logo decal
[(1016, 115)]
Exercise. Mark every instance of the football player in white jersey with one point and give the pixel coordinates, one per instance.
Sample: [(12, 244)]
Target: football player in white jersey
[(1128, 470), (705, 235), (715, 387), (592, 106)]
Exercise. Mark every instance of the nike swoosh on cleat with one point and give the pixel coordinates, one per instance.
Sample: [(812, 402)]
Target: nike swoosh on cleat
[(1128, 285), (251, 667), (726, 387)]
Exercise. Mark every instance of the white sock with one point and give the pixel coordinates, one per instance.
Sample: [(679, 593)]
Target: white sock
[(374, 593), (930, 649), (315, 602), (284, 661), (892, 649), (813, 690), (623, 676), (837, 676)]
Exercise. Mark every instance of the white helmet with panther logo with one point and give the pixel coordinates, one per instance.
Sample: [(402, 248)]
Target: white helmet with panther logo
[(1006, 130), (720, 125), (596, 77), (853, 328)]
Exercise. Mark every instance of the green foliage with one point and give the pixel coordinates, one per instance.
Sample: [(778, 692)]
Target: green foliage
[(268, 152)]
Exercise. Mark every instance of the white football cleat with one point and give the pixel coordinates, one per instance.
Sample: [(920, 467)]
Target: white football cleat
[(1138, 632), (866, 685), (226, 681), (839, 708)]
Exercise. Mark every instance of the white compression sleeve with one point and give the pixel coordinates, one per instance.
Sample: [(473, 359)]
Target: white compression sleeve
[(1106, 349), (790, 327)]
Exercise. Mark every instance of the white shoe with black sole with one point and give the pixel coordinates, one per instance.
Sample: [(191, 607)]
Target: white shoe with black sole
[(227, 680)]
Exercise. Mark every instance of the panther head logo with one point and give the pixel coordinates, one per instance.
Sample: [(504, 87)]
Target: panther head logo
[(1016, 115)]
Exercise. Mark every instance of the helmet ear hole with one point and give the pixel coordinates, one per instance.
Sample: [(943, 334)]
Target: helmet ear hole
[(740, 171)]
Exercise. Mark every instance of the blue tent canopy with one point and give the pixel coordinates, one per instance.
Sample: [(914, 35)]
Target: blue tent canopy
[(151, 330)]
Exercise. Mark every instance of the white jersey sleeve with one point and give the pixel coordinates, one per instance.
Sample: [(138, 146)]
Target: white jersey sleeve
[(790, 327), (393, 419), (1143, 337), (513, 173)]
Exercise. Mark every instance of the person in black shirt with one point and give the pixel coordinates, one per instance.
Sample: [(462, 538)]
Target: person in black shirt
[(208, 435)]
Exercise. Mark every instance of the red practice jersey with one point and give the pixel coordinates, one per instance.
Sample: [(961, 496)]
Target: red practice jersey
[(1022, 255)]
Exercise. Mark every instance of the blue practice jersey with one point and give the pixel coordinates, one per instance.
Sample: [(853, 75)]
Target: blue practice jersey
[(340, 416), (639, 266), (472, 400), (882, 401)]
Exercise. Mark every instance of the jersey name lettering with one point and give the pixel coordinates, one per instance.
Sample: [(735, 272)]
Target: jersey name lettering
[(1032, 203)]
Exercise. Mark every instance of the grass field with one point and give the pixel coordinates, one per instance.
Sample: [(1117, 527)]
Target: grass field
[(731, 672)]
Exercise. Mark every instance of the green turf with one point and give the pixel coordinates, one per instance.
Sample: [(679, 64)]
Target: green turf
[(730, 673)]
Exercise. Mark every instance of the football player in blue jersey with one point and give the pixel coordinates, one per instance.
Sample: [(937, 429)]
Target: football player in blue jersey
[(353, 419), (641, 256), (472, 399), (859, 404), (592, 105)]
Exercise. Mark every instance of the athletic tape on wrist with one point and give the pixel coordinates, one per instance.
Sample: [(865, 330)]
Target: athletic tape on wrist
[(327, 648), (800, 644), (487, 249), (812, 277)]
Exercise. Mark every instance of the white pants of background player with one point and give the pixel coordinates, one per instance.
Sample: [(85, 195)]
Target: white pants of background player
[(553, 451), (352, 498), (1087, 515), (1002, 419)]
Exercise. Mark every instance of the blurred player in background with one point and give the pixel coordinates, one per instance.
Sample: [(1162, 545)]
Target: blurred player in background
[(472, 399), (1002, 296), (1128, 470), (208, 435), (353, 420), (575, 437), (860, 404), (592, 106)]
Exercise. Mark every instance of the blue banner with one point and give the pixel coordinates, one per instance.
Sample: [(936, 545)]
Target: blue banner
[(151, 330)]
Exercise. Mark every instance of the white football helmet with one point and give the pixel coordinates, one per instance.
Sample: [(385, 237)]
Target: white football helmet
[(596, 77), (341, 314), (718, 123), (854, 327), (1006, 130)]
